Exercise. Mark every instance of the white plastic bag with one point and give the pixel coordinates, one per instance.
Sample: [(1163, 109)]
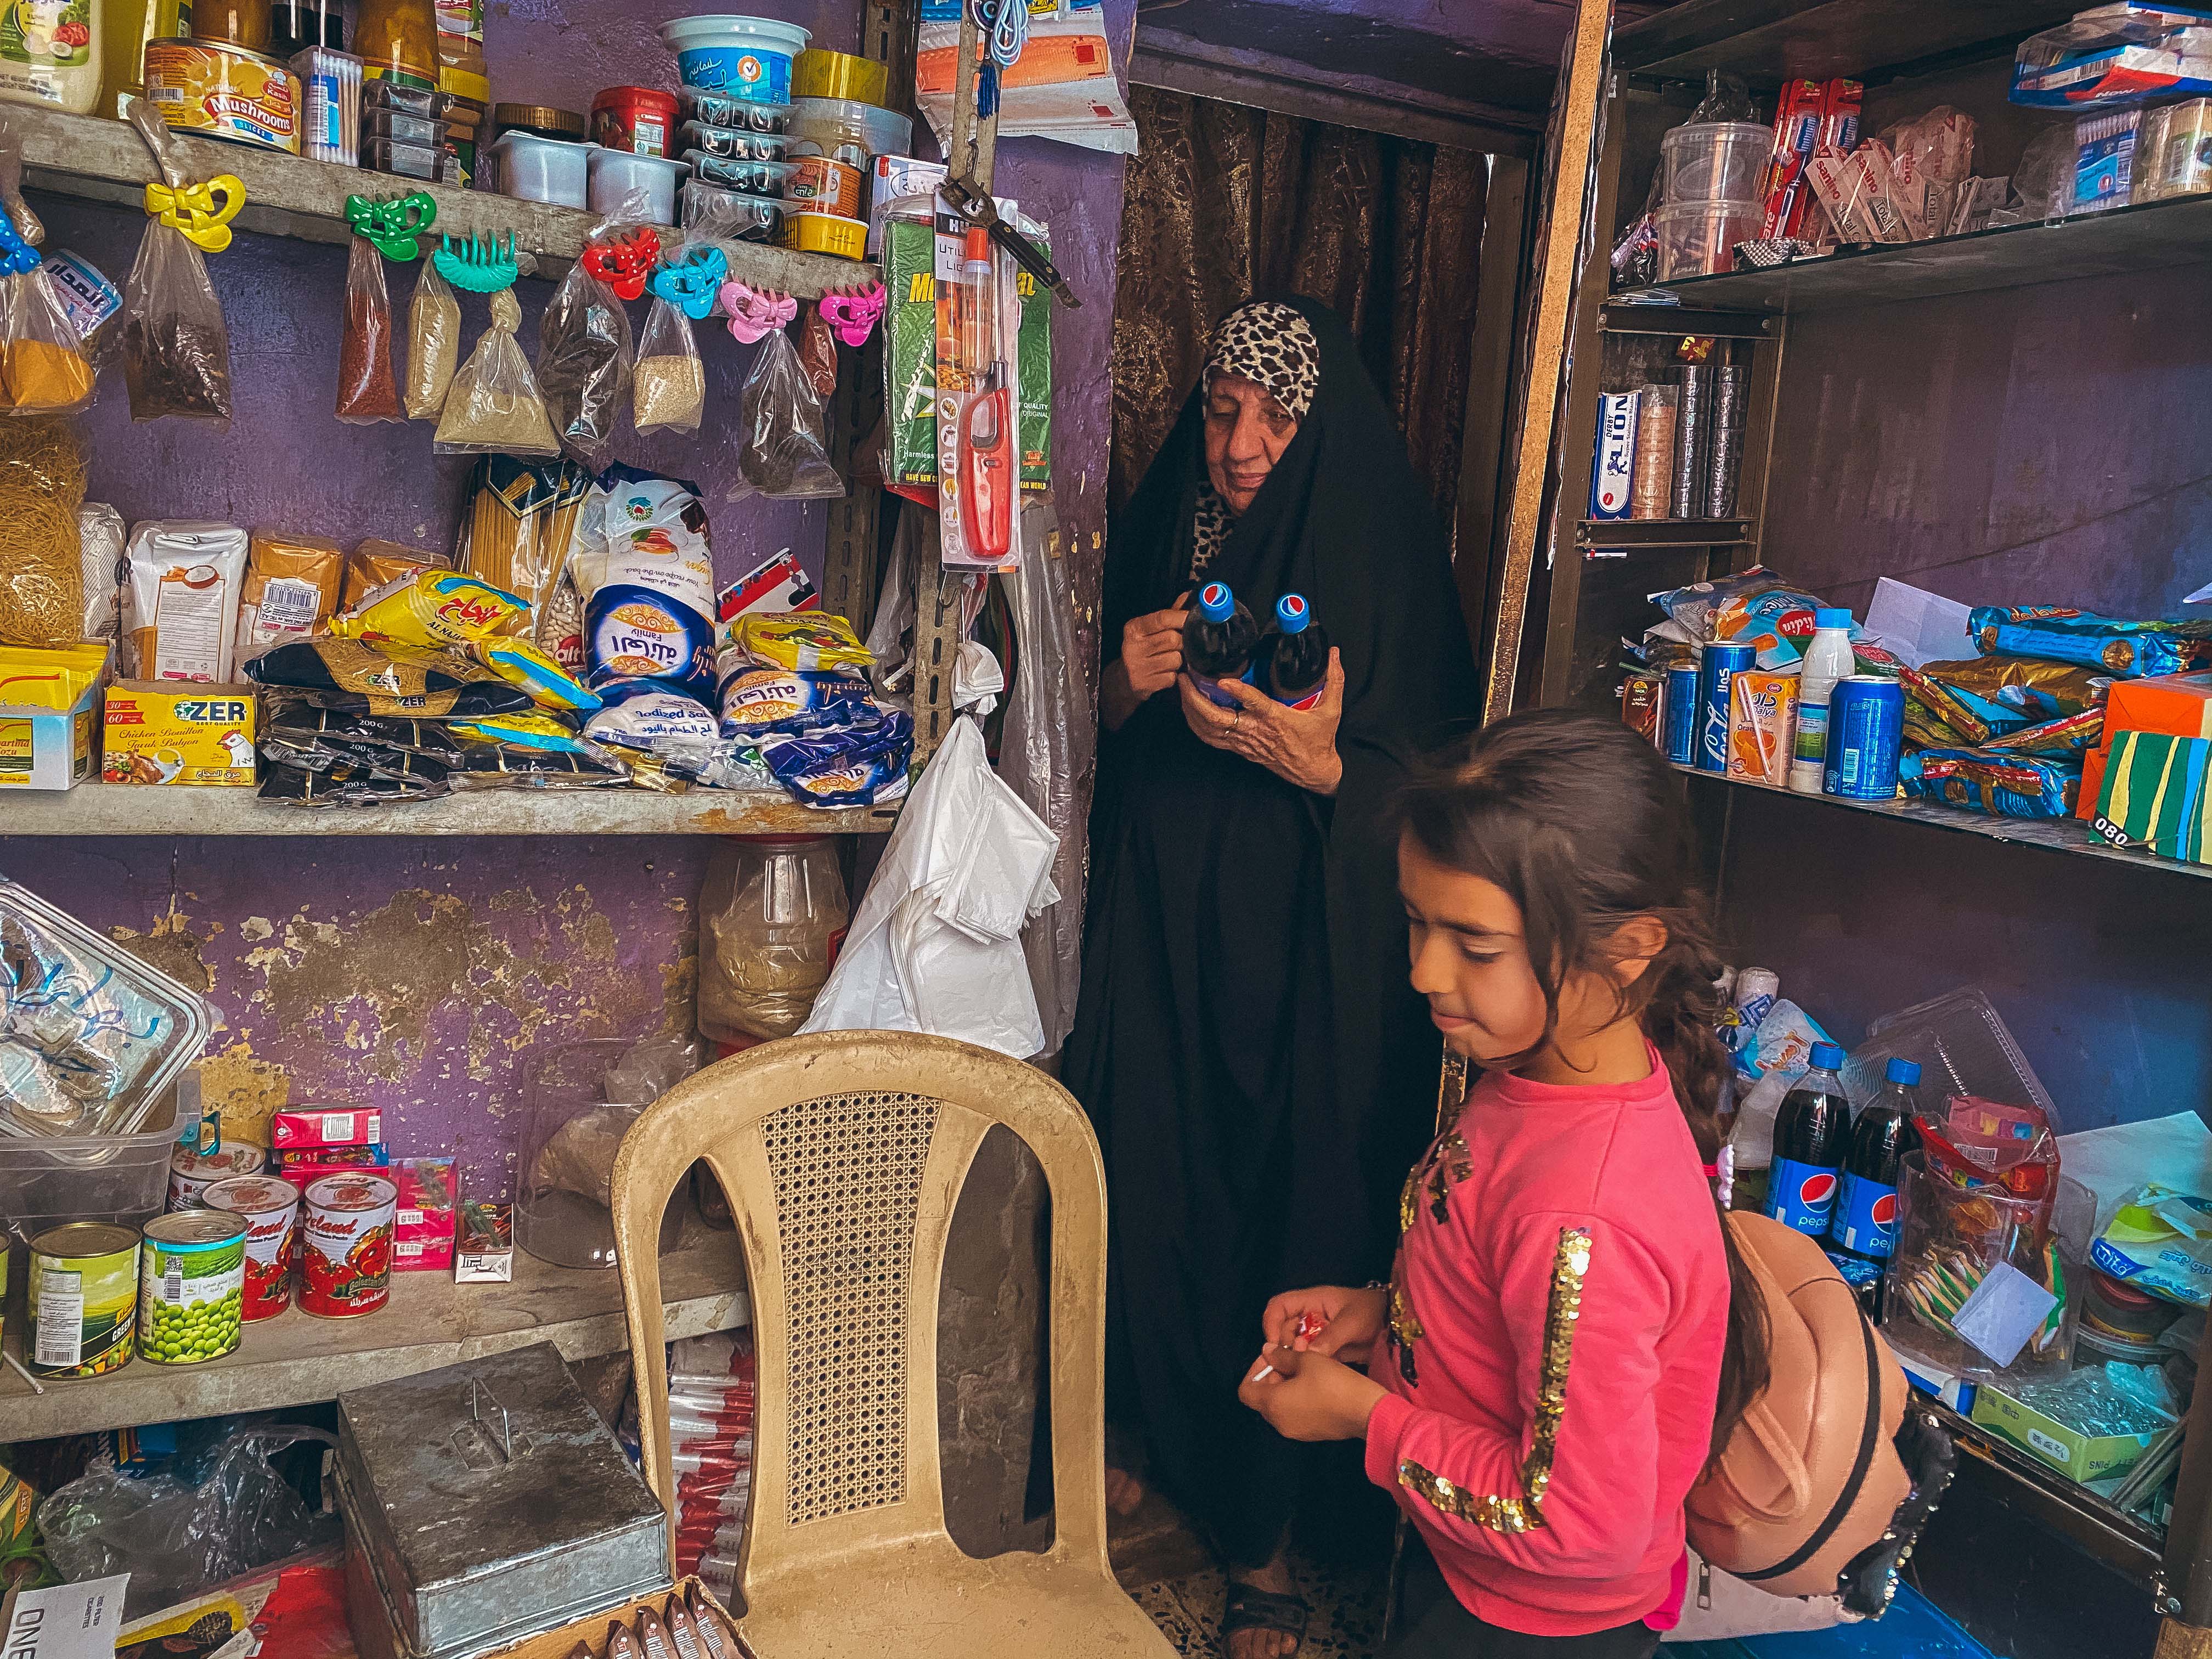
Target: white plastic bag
[(936, 945)]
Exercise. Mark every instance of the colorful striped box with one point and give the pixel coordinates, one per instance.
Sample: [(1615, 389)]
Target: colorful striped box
[(2157, 793)]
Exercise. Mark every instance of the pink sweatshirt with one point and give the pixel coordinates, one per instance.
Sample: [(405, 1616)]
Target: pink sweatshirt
[(1556, 1316)]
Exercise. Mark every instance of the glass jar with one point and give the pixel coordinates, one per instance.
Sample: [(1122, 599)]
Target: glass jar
[(771, 916), (397, 38), (564, 1163)]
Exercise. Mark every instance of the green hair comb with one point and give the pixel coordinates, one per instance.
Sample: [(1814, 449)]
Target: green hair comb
[(481, 264)]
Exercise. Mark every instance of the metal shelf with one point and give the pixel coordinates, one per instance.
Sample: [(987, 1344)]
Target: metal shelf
[(97, 159), (1630, 533), (126, 809), (430, 1322), (1769, 41), (2068, 835), (1667, 316)]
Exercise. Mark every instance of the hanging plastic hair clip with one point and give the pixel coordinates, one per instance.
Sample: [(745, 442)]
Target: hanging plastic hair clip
[(482, 264), (397, 225), (194, 210), (853, 316), (624, 262), (754, 314), (17, 255), (692, 282)]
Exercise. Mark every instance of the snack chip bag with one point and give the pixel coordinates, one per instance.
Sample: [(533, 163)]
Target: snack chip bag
[(813, 641), (1754, 608), (2037, 688), (859, 765), (2130, 650), (2159, 1241), (434, 610), (1985, 780), (642, 564), (520, 663)]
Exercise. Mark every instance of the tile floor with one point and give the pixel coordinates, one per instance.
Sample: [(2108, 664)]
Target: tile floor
[(1346, 1621)]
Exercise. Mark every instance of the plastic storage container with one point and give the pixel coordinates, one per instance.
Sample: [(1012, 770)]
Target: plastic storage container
[(730, 214), (819, 74), (836, 127), (47, 1180), (1699, 238), (537, 169), (612, 175), (825, 233), (720, 109), (738, 173), (640, 119), (565, 1159), (745, 57), (2173, 151), (729, 143), (773, 912), (1714, 161), (435, 164), (1961, 1047)]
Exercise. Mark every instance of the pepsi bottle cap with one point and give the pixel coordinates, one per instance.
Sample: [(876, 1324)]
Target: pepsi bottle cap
[(1826, 1056), (1216, 603), (1828, 617), (1902, 1071), (1291, 613)]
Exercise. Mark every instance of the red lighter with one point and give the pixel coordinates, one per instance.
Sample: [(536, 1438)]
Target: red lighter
[(987, 473)]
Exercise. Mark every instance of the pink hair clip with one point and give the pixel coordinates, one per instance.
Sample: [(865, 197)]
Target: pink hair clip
[(854, 316), (755, 314)]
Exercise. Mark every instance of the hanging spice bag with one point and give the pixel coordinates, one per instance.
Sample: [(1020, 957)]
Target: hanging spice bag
[(782, 453), (671, 384), (434, 342), (176, 347), (368, 393), (494, 407)]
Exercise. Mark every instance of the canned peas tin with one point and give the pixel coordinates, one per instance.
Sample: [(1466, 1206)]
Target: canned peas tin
[(191, 1285), (83, 1299)]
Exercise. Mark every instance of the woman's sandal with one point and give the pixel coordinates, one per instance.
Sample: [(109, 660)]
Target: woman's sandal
[(1253, 1609)]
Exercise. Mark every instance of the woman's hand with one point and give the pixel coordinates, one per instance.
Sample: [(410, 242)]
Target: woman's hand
[(1351, 1321), (1298, 746), (1310, 1396), (1152, 657)]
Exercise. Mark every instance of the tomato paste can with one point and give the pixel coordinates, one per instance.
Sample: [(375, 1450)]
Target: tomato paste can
[(826, 184), (191, 1173), (192, 1282), (83, 1299), (216, 90), (269, 1206), (634, 119), (345, 1258)]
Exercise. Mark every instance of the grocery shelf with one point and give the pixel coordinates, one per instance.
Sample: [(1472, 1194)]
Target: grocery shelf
[(1663, 314), (2123, 1541), (97, 159), (430, 1322), (2069, 836), (1661, 532), (1768, 41), (2123, 241), (127, 809)]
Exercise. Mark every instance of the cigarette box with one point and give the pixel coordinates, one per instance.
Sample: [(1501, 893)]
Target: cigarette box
[(327, 1125)]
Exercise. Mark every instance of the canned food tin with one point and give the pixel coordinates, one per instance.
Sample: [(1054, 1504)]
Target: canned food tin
[(192, 1282), (826, 185), (221, 91), (83, 1299), (269, 1207), (191, 1173), (345, 1259), (1866, 730), (1717, 671), (1678, 716)]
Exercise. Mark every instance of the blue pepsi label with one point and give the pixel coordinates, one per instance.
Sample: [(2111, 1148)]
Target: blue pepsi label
[(1866, 1216), (1801, 1195)]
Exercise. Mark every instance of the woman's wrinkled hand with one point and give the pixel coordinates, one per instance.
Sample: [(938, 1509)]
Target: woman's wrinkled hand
[(1298, 746), (1151, 649)]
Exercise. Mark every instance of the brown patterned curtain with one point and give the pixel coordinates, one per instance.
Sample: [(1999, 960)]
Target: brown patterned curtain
[(1225, 203)]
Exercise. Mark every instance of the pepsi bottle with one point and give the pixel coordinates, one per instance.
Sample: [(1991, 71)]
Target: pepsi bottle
[(1810, 1134), (1218, 640), (1866, 1202), (1297, 658)]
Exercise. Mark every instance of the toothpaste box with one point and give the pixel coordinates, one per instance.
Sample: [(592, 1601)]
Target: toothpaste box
[(174, 732), (423, 1230), (327, 1125)]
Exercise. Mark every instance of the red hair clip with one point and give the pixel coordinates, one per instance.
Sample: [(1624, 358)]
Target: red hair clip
[(624, 263)]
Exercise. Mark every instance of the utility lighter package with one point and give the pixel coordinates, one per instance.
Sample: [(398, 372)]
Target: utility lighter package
[(978, 469)]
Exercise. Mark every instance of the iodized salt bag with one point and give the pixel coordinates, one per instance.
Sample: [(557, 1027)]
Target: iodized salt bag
[(642, 563)]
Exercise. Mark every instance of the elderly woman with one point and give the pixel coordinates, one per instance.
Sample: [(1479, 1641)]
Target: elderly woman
[(1259, 1071)]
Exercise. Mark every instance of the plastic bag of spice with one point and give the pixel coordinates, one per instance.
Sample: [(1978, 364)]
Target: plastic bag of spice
[(585, 353), (783, 454), (367, 393), (176, 347), (434, 343), (43, 366), (494, 407), (671, 384)]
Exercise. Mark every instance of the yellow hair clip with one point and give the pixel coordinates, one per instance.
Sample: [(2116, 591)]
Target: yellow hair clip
[(193, 210)]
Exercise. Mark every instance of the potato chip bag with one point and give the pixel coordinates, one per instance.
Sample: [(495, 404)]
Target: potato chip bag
[(434, 610), (813, 641)]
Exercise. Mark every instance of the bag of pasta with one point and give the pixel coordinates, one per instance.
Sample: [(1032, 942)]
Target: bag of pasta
[(783, 454), (43, 366), (176, 347), (368, 391), (42, 599), (494, 407), (434, 342), (671, 381)]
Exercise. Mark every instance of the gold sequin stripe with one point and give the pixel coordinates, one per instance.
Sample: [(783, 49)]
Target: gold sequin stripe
[(1568, 1264), (1405, 1330)]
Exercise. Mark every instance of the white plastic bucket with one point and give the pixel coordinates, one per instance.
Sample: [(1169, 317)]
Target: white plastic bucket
[(616, 172), (747, 57), (542, 169)]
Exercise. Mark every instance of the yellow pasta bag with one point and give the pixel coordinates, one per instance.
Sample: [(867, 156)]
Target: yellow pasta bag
[(807, 640), (434, 610)]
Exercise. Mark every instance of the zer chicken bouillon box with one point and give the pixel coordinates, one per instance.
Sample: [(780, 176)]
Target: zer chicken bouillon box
[(175, 732)]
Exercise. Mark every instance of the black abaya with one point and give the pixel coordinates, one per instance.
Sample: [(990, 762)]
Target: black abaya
[(1259, 1071)]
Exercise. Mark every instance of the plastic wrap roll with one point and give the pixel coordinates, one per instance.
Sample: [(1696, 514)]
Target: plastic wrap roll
[(1730, 393), (1693, 442), (1651, 492)]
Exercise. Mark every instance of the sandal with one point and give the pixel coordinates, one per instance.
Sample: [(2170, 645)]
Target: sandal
[(1253, 1609)]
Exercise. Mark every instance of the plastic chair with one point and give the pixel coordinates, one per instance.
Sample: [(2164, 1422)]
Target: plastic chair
[(843, 1156)]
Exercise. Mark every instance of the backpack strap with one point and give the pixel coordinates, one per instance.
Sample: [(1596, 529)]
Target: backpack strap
[(1869, 1437)]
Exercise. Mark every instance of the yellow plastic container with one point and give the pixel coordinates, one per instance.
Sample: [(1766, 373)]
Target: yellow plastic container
[(816, 74), (825, 233)]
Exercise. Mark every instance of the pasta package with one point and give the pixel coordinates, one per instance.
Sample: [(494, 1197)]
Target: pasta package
[(352, 677), (642, 565), (181, 601), (434, 610), (291, 590), (376, 564), (812, 641), (521, 523), (41, 574)]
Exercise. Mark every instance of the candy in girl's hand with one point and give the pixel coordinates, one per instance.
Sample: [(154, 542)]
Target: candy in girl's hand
[(1311, 1324)]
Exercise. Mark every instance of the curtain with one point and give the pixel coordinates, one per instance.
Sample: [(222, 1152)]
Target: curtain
[(1226, 203)]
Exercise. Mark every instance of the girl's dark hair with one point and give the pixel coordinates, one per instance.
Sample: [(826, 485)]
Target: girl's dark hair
[(1579, 821)]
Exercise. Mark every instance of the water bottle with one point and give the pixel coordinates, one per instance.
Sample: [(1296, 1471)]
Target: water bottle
[(1298, 654), (1219, 640), (1827, 659)]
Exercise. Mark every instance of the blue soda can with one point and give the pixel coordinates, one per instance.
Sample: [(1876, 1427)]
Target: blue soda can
[(1716, 671), (1678, 716), (1866, 729)]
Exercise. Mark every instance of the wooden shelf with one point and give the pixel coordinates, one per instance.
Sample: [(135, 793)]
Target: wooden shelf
[(2122, 241), (125, 809), (1632, 533), (1770, 41), (96, 160), (2068, 835), (430, 1322)]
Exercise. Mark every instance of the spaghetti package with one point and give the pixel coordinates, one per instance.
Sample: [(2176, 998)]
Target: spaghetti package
[(42, 599), (521, 523), (2128, 650), (642, 566), (291, 590)]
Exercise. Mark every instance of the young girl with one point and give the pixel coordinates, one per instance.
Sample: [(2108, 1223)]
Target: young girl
[(1558, 1353)]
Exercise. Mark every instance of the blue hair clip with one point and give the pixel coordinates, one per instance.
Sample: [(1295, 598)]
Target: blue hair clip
[(17, 255), (691, 284)]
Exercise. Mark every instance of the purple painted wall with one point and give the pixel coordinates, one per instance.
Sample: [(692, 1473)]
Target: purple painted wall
[(405, 974)]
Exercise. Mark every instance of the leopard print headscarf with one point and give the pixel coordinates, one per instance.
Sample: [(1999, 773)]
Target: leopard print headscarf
[(1272, 345)]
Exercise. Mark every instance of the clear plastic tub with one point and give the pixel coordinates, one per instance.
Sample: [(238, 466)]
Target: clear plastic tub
[(718, 109), (612, 175), (564, 1163), (731, 215), (423, 129), (736, 172), (535, 169), (729, 143), (1961, 1047), (49, 1180), (1699, 238), (1714, 161)]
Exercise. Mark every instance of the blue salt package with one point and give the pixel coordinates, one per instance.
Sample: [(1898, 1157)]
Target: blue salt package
[(642, 565), (758, 701), (1987, 780), (862, 764), (2132, 650)]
